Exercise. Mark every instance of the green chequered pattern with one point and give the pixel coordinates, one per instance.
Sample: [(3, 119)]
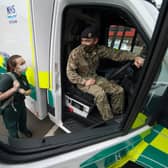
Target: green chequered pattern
[(152, 157), (156, 153), (33, 92), (156, 129), (150, 150), (112, 154), (50, 98), (3, 60), (2, 70)]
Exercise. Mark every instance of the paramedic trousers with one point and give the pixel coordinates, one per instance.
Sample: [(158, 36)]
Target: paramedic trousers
[(10, 121), (99, 90), (15, 120)]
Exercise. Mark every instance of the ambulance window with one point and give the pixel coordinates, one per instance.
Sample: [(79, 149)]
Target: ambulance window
[(125, 38), (120, 37), (156, 108), (139, 45)]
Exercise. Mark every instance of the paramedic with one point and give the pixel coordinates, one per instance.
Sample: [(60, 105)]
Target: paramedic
[(15, 119)]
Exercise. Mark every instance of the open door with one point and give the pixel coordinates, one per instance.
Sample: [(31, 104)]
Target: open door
[(41, 13), (153, 91)]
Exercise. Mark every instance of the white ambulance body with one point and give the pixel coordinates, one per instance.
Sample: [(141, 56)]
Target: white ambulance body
[(34, 29), (18, 37)]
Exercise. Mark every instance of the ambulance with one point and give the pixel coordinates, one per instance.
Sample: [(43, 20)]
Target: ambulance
[(44, 33)]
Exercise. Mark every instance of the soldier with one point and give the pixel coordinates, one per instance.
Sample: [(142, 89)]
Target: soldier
[(81, 70)]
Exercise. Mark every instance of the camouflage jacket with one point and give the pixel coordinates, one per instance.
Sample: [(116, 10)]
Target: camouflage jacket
[(82, 65)]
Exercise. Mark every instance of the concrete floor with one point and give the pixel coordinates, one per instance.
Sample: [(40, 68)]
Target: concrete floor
[(38, 127)]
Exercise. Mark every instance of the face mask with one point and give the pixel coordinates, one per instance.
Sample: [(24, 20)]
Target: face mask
[(23, 67), (89, 48)]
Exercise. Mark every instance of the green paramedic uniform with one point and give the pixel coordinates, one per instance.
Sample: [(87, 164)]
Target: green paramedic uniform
[(19, 103), (9, 114), (19, 117)]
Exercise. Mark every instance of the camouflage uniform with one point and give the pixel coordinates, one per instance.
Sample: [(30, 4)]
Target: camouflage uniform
[(82, 65)]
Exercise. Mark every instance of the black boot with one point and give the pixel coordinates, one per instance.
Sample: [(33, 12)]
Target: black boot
[(27, 133)]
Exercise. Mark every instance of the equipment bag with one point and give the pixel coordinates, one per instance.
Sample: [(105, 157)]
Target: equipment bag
[(8, 101)]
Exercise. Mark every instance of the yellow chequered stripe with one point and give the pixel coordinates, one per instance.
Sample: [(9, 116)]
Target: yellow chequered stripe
[(158, 142), (1, 61), (120, 163), (161, 141), (31, 31), (30, 76), (43, 78), (146, 133), (132, 155), (139, 121), (138, 150)]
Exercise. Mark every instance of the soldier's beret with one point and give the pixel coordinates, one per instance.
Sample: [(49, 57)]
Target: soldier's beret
[(89, 32)]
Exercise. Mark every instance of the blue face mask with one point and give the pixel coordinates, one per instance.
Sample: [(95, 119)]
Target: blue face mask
[(23, 67)]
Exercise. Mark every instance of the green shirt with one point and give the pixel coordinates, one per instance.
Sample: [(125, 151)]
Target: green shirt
[(6, 82), (24, 85)]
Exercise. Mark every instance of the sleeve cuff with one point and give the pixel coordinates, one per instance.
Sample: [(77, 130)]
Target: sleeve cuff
[(83, 81)]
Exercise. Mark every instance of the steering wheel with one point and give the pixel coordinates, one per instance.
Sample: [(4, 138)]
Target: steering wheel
[(125, 76), (123, 71)]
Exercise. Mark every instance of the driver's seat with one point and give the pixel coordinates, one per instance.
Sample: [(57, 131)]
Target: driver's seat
[(77, 101)]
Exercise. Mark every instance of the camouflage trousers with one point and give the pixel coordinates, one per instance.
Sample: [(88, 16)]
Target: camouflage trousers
[(100, 91)]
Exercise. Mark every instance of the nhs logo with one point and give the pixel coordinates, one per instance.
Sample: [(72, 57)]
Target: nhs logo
[(11, 14)]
